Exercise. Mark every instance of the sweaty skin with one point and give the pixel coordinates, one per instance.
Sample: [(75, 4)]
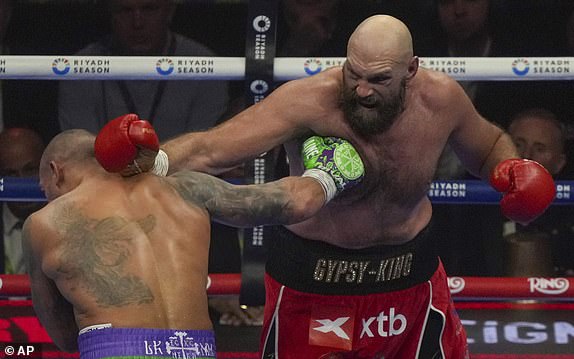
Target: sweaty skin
[(391, 205), (133, 252)]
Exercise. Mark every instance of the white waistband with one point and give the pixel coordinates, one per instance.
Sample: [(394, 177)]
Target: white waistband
[(89, 328)]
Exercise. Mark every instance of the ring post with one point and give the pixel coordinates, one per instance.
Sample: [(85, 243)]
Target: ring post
[(259, 59)]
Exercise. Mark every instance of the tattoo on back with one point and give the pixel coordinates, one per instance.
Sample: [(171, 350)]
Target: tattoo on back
[(96, 253)]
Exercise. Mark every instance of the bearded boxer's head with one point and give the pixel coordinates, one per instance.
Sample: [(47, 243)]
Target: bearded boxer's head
[(374, 113), (379, 65)]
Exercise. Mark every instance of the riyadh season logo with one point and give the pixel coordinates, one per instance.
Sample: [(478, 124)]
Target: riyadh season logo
[(61, 66), (520, 67), (313, 66), (259, 87), (261, 23), (164, 66)]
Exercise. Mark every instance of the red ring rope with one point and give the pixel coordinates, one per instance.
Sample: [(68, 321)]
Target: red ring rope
[(460, 287)]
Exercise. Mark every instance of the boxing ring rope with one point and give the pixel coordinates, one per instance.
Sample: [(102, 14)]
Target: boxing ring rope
[(452, 191), (61, 67), (461, 288)]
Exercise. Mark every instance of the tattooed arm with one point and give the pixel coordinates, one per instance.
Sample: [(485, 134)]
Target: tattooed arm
[(285, 201), (54, 311)]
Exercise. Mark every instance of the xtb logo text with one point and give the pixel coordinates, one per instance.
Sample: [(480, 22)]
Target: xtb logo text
[(384, 325)]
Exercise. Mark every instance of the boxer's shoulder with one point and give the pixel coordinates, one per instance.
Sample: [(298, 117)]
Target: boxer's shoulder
[(320, 84), (436, 89)]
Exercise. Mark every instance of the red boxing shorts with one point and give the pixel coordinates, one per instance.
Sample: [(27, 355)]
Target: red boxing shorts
[(146, 343), (382, 302)]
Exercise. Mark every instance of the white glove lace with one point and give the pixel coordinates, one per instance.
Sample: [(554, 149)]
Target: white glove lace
[(326, 181), (161, 164)]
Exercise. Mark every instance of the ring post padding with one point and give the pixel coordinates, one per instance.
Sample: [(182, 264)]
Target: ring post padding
[(259, 60)]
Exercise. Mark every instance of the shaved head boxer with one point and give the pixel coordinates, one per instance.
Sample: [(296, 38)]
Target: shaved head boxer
[(361, 278), (118, 266)]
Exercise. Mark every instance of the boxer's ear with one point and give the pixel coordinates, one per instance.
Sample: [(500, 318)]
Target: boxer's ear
[(413, 67), (57, 174)]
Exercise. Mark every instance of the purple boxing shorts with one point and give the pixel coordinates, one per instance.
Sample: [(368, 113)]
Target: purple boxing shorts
[(132, 343)]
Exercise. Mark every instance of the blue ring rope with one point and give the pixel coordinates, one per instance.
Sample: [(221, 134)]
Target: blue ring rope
[(16, 189)]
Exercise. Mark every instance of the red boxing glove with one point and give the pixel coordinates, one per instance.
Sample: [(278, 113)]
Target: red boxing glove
[(528, 189), (127, 144)]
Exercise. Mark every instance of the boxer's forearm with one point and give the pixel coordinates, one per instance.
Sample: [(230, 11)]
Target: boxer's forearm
[(286, 201), (502, 149), (291, 200)]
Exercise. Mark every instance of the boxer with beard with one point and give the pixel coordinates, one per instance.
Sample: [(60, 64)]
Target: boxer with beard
[(361, 278), (373, 114)]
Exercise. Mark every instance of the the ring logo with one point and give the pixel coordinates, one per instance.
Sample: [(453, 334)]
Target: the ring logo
[(456, 284), (61, 66), (386, 326), (313, 66), (551, 286), (261, 23), (520, 67), (164, 66)]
